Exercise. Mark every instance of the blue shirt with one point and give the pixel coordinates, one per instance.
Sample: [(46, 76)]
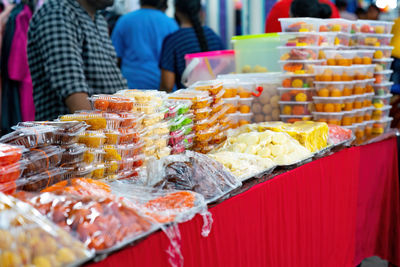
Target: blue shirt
[(138, 38), (182, 42)]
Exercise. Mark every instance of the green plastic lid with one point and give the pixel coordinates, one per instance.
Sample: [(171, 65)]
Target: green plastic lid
[(255, 36)]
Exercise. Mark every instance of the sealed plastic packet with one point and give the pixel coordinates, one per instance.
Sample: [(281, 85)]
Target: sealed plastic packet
[(28, 238)]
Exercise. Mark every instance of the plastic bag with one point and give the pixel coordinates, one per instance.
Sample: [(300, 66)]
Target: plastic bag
[(9, 154), (194, 172), (27, 238), (101, 223)]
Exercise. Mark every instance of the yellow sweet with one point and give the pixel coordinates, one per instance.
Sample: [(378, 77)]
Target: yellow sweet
[(378, 54), (65, 255), (301, 97), (287, 110), (41, 261), (10, 259)]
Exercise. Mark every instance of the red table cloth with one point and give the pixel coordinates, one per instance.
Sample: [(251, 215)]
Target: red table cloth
[(331, 212)]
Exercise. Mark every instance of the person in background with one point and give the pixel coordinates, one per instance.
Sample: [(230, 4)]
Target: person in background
[(373, 12), (361, 13), (281, 10), (342, 7), (310, 8), (192, 37), (395, 78), (71, 56), (138, 38)]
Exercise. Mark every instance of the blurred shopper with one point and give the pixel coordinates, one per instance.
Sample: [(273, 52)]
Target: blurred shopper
[(373, 12), (138, 38), (342, 7), (361, 13), (71, 56), (281, 10), (310, 8), (192, 37), (395, 42)]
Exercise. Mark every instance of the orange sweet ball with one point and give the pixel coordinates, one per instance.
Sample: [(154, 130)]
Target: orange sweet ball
[(336, 78), (357, 60), (367, 60), (346, 77), (329, 107), (286, 97), (336, 93), (244, 109), (287, 83), (348, 106), (369, 88), (342, 62), (299, 110), (244, 94), (378, 78), (324, 92), (346, 121), (319, 107), (331, 62), (358, 90), (338, 107), (347, 91), (358, 104)]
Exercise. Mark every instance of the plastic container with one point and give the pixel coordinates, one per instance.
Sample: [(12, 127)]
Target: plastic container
[(256, 53), (368, 113), (95, 120), (151, 119), (160, 128), (330, 117), (10, 173), (110, 103), (329, 104), (381, 126), (204, 124), (381, 113), (176, 137), (361, 71), (375, 40), (301, 39), (299, 53), (93, 156), (231, 121), (30, 137), (201, 114), (73, 154), (382, 76), (294, 118), (375, 26), (10, 154), (207, 65), (340, 57), (383, 88), (299, 66), (41, 181), (363, 57), (334, 89), (244, 105), (360, 115), (129, 120), (348, 103), (348, 118), (93, 139), (332, 74), (329, 39), (244, 118), (298, 81), (232, 103), (382, 64), (359, 87), (299, 24), (295, 108), (335, 25), (213, 87), (343, 40), (368, 100), (359, 101), (359, 132), (296, 94), (180, 122), (381, 101), (369, 86), (379, 52), (199, 99), (368, 129)]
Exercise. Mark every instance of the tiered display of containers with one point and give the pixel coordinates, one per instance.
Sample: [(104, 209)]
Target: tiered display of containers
[(346, 79)]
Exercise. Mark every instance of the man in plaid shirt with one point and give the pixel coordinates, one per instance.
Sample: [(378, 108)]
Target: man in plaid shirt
[(71, 56)]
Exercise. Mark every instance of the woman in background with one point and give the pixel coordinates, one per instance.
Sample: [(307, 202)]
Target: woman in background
[(192, 37)]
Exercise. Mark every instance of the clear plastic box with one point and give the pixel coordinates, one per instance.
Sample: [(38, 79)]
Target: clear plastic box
[(349, 103), (335, 25), (359, 101), (379, 52), (360, 115), (369, 86), (368, 113), (245, 105), (381, 113), (299, 39), (381, 101), (374, 26), (295, 108), (363, 57), (368, 128), (298, 81), (382, 64), (383, 88), (245, 118), (299, 66), (334, 89), (334, 118), (111, 103), (368, 100), (299, 53), (348, 118), (343, 40), (359, 87), (211, 86), (374, 40), (381, 126), (340, 57), (332, 73), (329, 39), (382, 76), (329, 104), (299, 24), (296, 94), (294, 118)]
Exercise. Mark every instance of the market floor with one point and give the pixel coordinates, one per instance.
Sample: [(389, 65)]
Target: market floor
[(374, 262)]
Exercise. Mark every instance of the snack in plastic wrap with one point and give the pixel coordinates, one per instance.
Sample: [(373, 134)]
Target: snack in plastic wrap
[(199, 99), (242, 165), (30, 137), (9, 154), (11, 172), (95, 120), (338, 134), (29, 239), (42, 159), (111, 103), (280, 147), (194, 172), (38, 182), (100, 222)]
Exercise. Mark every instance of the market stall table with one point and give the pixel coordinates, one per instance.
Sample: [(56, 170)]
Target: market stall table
[(334, 211)]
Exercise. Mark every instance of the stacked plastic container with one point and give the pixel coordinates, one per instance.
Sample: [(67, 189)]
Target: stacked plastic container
[(10, 167), (113, 139)]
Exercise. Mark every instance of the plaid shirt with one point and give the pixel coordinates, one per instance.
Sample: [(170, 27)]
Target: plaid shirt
[(69, 52)]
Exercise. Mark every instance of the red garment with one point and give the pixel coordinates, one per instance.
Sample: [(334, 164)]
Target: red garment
[(18, 67), (332, 212), (281, 10)]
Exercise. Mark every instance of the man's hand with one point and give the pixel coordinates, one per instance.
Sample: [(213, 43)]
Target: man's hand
[(78, 101)]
